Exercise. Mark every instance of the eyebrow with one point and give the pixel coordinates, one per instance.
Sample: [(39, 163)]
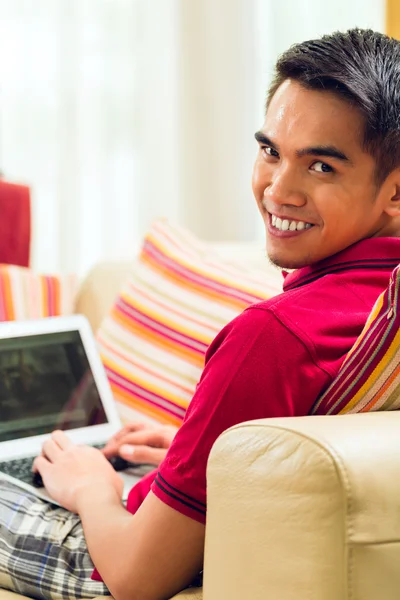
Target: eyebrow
[(322, 150)]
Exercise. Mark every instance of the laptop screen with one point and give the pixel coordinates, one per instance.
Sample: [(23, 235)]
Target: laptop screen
[(46, 383)]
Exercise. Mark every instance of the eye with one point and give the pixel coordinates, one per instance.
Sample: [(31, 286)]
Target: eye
[(269, 151), (321, 167)]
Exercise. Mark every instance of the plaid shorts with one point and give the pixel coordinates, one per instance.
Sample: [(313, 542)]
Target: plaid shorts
[(43, 552)]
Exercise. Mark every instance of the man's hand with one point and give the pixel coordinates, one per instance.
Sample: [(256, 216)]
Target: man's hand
[(141, 443), (69, 471)]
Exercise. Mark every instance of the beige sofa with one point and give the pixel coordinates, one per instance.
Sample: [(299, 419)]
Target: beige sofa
[(298, 509)]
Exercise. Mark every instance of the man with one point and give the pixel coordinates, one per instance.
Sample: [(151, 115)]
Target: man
[(327, 184)]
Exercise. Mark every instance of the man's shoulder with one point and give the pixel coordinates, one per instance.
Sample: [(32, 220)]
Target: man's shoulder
[(308, 295), (285, 304), (328, 292), (324, 313), (329, 305)]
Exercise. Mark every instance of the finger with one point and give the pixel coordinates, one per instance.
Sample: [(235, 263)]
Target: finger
[(117, 436), (143, 454), (145, 437), (40, 465), (153, 438), (62, 440), (51, 450), (129, 428), (110, 449)]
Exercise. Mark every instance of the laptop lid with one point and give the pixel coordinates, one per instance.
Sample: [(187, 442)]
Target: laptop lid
[(51, 377)]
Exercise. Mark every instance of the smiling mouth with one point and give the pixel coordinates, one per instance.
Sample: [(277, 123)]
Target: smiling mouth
[(289, 225)]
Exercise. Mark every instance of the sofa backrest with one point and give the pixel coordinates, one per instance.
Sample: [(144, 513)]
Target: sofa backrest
[(99, 289)]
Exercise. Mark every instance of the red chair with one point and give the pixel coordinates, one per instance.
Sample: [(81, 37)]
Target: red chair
[(15, 224)]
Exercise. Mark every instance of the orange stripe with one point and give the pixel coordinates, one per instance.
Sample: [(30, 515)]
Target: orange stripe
[(386, 385), (139, 292), (182, 257), (167, 320), (134, 402), (195, 357), (385, 360), (8, 296), (114, 352), (45, 300), (198, 288), (56, 289)]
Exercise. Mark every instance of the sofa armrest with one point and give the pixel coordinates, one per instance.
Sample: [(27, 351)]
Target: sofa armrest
[(305, 508)]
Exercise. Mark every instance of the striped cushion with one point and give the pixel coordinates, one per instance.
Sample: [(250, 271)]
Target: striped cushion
[(177, 298), (369, 379), (28, 295)]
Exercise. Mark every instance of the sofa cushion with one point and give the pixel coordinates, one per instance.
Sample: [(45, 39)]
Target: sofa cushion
[(369, 379), (179, 294), (25, 294)]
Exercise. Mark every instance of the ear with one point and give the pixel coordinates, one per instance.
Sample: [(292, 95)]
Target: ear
[(393, 197)]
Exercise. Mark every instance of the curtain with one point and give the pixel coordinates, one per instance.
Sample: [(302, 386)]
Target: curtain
[(116, 112), (68, 113)]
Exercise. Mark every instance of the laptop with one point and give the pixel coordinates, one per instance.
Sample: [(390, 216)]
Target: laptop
[(51, 377)]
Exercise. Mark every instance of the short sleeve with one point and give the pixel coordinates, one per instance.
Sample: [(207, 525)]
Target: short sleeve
[(249, 374)]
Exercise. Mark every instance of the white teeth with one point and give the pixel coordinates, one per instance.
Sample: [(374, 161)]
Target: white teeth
[(286, 225)]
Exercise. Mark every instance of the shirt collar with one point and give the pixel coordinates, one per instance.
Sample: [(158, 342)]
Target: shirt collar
[(367, 254)]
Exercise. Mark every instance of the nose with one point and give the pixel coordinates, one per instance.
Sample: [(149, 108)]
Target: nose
[(284, 187)]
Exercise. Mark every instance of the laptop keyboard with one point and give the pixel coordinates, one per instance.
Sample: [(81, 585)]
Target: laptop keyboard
[(21, 468)]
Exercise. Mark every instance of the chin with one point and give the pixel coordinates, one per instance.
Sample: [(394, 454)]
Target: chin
[(286, 262)]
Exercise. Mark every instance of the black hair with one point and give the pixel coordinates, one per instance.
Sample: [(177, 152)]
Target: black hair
[(363, 68)]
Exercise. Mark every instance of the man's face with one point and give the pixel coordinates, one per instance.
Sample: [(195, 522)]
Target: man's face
[(313, 182)]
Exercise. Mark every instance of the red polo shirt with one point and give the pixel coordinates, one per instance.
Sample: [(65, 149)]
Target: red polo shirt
[(274, 360)]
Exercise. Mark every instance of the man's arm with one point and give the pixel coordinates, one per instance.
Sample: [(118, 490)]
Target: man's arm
[(147, 556), (151, 555)]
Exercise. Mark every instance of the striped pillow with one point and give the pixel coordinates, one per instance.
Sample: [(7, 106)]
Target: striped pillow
[(28, 295), (176, 299), (369, 379)]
